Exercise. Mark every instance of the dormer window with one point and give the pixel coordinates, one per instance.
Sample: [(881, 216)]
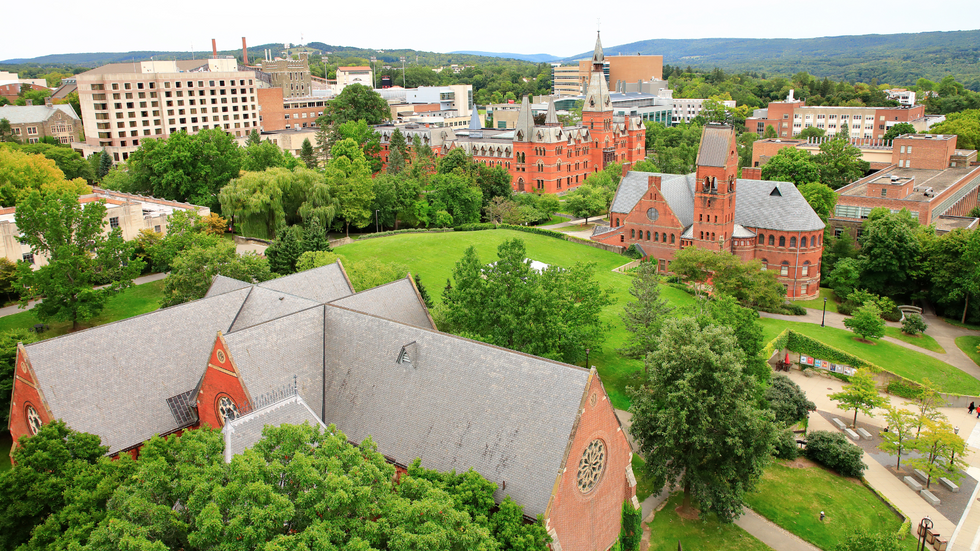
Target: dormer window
[(408, 355)]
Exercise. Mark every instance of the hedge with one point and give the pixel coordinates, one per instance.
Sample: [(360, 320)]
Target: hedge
[(777, 343), (397, 232)]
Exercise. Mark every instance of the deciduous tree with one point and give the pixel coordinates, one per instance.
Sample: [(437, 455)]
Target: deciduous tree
[(193, 269), (860, 395), (787, 400), (867, 322), (900, 436), (696, 419), (941, 451), (792, 165)]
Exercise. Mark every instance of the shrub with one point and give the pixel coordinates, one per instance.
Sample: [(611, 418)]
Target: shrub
[(892, 315), (476, 227), (832, 450), (913, 324), (633, 252), (631, 532), (785, 447), (846, 308), (796, 310), (904, 389)]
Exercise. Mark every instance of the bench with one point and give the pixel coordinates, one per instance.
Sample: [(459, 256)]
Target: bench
[(838, 423), (911, 483), (928, 496), (950, 485), (921, 475), (864, 434), (852, 435)]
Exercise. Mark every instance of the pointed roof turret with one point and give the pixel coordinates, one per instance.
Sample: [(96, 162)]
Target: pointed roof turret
[(525, 122), (597, 57), (475, 123), (551, 119)]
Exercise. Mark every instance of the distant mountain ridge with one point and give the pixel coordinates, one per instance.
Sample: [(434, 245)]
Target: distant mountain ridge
[(534, 58)]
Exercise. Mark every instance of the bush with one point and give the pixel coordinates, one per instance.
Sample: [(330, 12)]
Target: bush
[(832, 450), (913, 324), (785, 447), (633, 252), (631, 532), (476, 227), (893, 315), (904, 389), (796, 309), (846, 308)]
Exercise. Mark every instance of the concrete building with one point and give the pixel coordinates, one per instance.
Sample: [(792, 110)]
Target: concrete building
[(436, 105), (771, 222), (565, 80), (548, 158), (353, 75), (30, 123), (791, 116), (902, 96), (292, 76), (130, 213), (937, 183), (290, 140), (124, 103), (570, 79), (684, 110)]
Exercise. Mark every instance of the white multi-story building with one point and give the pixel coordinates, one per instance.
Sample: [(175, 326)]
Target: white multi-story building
[(686, 109), (902, 96), (353, 75), (124, 103)]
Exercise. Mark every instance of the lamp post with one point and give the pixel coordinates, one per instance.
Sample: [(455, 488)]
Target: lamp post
[(376, 230), (824, 317), (586, 358), (925, 525)]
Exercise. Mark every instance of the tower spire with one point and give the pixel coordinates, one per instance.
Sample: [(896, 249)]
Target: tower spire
[(525, 122), (597, 94), (597, 57), (551, 119)]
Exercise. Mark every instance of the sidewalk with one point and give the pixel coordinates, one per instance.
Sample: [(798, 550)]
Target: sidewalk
[(16, 309)]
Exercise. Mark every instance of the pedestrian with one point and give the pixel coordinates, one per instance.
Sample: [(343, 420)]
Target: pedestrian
[(972, 407)]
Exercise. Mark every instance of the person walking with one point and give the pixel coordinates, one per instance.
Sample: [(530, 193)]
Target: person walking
[(972, 407)]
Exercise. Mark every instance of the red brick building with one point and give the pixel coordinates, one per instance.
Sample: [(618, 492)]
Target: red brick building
[(307, 348), (548, 158), (753, 219)]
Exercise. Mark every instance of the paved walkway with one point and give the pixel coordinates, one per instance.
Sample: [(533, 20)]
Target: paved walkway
[(582, 234), (16, 309), (944, 333)]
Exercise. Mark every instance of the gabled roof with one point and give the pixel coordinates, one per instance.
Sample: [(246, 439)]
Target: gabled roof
[(114, 380), (265, 304), (242, 433), (755, 207), (713, 150), (222, 284), (398, 301), (269, 355), (26, 114), (321, 284), (458, 404), (475, 123)]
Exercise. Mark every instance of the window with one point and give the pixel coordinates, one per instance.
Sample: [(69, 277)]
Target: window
[(671, 239), (838, 232), (803, 289), (884, 192), (792, 242), (803, 243), (28, 257), (765, 264), (633, 234), (114, 222), (784, 269), (805, 270), (772, 240), (782, 241)]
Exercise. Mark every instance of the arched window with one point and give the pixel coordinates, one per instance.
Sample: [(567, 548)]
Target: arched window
[(617, 222), (633, 233), (702, 235), (671, 239), (784, 269), (664, 237), (782, 240), (712, 236), (792, 242), (656, 236), (803, 242), (806, 269), (762, 239), (765, 264), (772, 240)]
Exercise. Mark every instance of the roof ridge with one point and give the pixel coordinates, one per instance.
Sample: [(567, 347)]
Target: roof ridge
[(261, 323)]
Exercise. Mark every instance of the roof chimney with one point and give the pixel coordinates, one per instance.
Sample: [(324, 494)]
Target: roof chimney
[(214, 49), (48, 102), (244, 52)]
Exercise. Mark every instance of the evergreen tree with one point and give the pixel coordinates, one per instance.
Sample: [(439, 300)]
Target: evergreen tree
[(398, 143), (105, 164), (645, 315), (253, 138), (422, 292), (307, 155), (315, 236), (285, 250), (396, 162)]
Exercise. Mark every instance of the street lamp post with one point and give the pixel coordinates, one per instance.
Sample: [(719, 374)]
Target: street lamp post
[(824, 317), (586, 358), (376, 230), (925, 525)]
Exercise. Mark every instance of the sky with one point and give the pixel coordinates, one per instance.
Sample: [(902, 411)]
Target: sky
[(559, 28)]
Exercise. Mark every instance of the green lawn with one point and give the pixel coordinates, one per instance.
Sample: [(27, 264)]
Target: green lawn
[(968, 345), (957, 323), (793, 498), (901, 361), (817, 303), (432, 256), (554, 220), (921, 340), (667, 528), (138, 299)]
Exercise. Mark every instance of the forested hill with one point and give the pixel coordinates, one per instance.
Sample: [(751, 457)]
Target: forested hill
[(898, 59)]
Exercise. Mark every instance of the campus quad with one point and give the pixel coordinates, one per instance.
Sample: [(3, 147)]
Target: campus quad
[(306, 347)]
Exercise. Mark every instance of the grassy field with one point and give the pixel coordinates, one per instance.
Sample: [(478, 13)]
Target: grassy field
[(667, 528), (793, 498), (432, 256), (957, 323), (555, 220), (817, 303), (136, 300), (901, 361), (922, 340), (969, 345)]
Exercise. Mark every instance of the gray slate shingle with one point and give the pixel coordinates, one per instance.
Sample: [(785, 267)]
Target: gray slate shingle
[(264, 304), (321, 284), (244, 432), (396, 301), (459, 404), (713, 150), (222, 284), (114, 380)]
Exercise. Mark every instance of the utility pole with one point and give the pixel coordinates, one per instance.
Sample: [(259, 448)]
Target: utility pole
[(403, 72), (374, 71)]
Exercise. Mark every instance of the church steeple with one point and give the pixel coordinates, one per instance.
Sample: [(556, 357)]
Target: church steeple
[(597, 57), (525, 122), (597, 95), (551, 119)]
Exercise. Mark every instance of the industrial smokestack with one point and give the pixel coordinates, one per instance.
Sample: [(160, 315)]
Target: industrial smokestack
[(214, 49), (244, 52)]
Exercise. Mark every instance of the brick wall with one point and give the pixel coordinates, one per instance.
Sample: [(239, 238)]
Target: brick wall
[(923, 153), (26, 394), (591, 521), (221, 378), (270, 109)]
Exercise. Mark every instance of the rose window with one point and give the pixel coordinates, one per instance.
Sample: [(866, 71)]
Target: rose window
[(227, 409), (591, 465), (33, 420)]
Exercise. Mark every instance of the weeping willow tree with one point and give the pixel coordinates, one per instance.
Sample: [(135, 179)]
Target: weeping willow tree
[(260, 201)]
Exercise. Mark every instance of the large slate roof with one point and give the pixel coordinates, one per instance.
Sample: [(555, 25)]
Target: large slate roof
[(114, 380), (264, 304), (458, 403), (269, 355), (713, 150), (222, 284), (397, 301), (26, 114), (321, 284), (244, 432), (755, 204)]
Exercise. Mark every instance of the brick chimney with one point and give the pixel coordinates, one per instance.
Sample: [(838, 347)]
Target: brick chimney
[(653, 182), (48, 103)]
